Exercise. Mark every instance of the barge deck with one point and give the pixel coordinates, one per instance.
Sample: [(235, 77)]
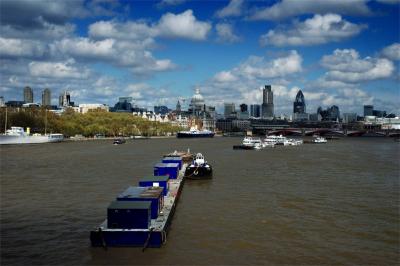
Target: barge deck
[(153, 236)]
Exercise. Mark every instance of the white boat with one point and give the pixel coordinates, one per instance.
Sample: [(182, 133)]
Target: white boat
[(275, 140), (319, 140), (252, 142), (17, 135), (292, 142), (195, 133)]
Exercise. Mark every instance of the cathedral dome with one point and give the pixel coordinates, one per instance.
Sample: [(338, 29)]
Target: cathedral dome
[(197, 99)]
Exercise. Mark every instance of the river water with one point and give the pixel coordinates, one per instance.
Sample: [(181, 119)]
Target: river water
[(334, 203)]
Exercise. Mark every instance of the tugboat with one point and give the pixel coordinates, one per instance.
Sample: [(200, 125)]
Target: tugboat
[(199, 168)]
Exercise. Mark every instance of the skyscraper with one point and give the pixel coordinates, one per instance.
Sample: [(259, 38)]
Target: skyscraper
[(299, 105), (255, 110), (268, 102), (28, 95), (368, 110), (65, 99), (178, 106), (46, 97), (243, 107), (229, 108)]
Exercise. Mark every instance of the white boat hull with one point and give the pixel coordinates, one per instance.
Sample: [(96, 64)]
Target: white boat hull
[(7, 139)]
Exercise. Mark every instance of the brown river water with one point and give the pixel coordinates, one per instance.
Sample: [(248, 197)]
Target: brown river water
[(334, 203)]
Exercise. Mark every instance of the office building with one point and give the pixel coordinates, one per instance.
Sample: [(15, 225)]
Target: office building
[(46, 97), (349, 117), (255, 110), (268, 102), (28, 95), (124, 105), (330, 114), (368, 110), (161, 109), (229, 109), (64, 100), (299, 105)]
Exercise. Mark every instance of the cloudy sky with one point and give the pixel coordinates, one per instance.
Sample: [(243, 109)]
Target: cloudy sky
[(342, 52)]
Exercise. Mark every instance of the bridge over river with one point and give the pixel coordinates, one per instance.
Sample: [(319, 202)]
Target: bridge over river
[(325, 132)]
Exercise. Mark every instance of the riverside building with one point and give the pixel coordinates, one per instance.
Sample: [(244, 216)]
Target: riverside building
[(267, 106)]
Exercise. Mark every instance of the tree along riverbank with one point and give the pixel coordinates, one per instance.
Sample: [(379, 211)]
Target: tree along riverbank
[(94, 123)]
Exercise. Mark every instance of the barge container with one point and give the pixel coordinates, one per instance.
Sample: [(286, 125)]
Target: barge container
[(173, 160), (152, 194), (153, 236), (169, 169), (129, 214), (155, 181)]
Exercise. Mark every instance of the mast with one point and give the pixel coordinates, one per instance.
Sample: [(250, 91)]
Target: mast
[(45, 122), (5, 123)]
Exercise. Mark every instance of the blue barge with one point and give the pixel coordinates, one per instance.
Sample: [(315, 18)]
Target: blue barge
[(141, 216)]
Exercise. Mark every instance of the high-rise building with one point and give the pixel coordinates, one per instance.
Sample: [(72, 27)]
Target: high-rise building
[(330, 114), (161, 109), (178, 107), (379, 113), (244, 113), (349, 117), (46, 97), (2, 103), (255, 110), (28, 95), (124, 105), (268, 102), (64, 100), (243, 107), (229, 108), (299, 105), (368, 110)]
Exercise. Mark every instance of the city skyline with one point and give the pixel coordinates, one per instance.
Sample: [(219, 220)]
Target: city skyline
[(343, 53)]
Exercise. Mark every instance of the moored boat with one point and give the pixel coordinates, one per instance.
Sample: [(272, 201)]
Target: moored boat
[(119, 141), (199, 168), (319, 140), (195, 133), (17, 135)]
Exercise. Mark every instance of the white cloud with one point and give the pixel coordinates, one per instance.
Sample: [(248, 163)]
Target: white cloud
[(21, 48), (288, 8), (316, 30), (164, 3), (392, 51), (224, 76), (233, 9), (225, 33), (184, 25), (130, 30), (347, 66), (119, 53), (258, 67), (84, 47), (46, 32), (61, 70)]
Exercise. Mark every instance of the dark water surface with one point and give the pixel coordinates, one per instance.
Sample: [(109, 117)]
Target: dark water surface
[(336, 203)]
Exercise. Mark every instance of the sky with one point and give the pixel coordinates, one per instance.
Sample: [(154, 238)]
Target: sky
[(338, 52)]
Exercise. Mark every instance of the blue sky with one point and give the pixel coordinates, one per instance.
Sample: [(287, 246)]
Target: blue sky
[(342, 52)]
